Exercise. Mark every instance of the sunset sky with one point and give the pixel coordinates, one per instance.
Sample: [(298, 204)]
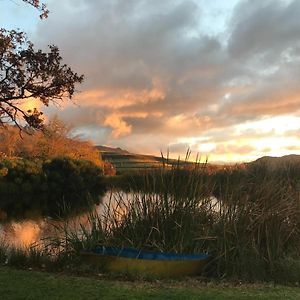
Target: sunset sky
[(218, 77)]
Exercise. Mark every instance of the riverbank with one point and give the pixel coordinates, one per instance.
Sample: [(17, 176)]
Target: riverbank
[(20, 284)]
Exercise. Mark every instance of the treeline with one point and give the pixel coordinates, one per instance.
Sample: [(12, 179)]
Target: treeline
[(53, 187), (54, 140), (47, 170)]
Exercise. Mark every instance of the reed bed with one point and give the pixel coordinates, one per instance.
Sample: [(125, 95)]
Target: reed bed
[(248, 218)]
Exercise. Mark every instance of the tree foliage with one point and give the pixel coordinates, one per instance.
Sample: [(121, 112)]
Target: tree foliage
[(40, 6), (54, 140), (26, 73), (73, 181), (53, 187)]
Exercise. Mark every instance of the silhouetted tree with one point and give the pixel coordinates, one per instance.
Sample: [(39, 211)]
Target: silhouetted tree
[(26, 73), (40, 6)]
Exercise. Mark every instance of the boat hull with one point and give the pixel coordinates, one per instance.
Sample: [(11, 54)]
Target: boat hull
[(150, 267)]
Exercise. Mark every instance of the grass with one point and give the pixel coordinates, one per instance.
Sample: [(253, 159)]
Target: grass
[(166, 217), (18, 284), (41, 257), (253, 231)]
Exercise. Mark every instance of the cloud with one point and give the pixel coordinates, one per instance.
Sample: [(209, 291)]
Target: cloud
[(153, 73), (264, 29), (234, 149)]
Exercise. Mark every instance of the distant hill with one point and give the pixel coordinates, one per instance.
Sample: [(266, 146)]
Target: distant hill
[(124, 161), (275, 162), (106, 149)]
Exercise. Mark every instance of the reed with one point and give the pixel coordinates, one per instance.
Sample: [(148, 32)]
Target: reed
[(258, 225), (252, 228)]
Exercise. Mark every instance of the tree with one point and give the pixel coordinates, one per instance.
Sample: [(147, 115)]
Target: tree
[(75, 182), (27, 73), (55, 139), (40, 6)]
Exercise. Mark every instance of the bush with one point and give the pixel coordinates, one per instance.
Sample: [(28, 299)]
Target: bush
[(50, 187), (20, 187), (72, 182)]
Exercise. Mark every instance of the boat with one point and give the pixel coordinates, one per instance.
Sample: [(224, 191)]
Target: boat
[(135, 261)]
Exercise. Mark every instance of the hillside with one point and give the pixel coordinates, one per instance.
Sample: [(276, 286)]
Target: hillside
[(124, 161), (276, 162), (106, 149)]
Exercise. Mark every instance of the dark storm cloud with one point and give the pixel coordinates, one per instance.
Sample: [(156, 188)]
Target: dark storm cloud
[(266, 28), (264, 48), (151, 70)]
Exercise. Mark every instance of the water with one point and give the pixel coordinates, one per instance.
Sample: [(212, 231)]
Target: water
[(32, 230), (35, 228)]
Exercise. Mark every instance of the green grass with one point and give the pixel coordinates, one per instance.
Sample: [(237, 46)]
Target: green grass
[(17, 284)]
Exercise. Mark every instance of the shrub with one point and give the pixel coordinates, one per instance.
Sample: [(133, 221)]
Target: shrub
[(72, 182), (53, 187)]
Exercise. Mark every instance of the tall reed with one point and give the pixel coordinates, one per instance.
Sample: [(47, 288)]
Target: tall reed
[(258, 225), (248, 218)]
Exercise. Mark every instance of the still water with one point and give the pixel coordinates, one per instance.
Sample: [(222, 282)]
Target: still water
[(32, 230)]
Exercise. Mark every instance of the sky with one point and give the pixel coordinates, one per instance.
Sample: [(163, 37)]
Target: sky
[(218, 77)]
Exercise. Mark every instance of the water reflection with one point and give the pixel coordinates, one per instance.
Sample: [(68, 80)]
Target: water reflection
[(22, 233), (33, 229)]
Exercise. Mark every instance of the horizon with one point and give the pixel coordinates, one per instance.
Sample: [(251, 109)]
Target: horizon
[(193, 157), (218, 78)]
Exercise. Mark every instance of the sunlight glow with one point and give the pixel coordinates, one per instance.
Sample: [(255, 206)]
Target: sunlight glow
[(280, 124)]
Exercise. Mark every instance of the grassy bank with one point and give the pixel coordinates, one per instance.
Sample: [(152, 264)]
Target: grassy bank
[(16, 284)]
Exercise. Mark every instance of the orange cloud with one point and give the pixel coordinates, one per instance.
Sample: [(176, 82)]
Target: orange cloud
[(117, 98), (120, 127)]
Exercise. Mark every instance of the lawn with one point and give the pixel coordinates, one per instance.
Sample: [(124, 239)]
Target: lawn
[(18, 284)]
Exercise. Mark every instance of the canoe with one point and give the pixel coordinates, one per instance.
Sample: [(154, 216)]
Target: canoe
[(134, 261)]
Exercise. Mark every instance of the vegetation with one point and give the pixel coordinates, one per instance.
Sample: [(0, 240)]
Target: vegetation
[(258, 226), (39, 6), (73, 181), (47, 171), (252, 228), (54, 140), (27, 73), (52, 187), (246, 217), (15, 283)]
